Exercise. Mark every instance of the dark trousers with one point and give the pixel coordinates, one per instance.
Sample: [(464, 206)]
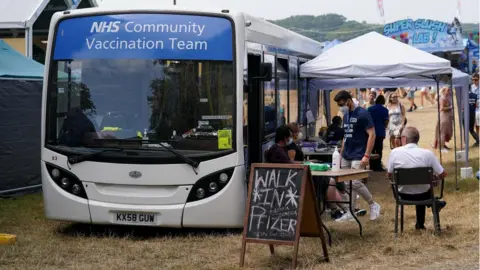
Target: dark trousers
[(420, 209), (471, 127), (376, 164)]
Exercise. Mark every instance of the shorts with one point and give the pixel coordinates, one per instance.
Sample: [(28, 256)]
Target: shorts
[(411, 94), (477, 119)]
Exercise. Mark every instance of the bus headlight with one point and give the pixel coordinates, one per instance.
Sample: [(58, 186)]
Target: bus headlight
[(223, 178), (200, 193), (76, 189), (55, 173), (67, 181), (210, 185)]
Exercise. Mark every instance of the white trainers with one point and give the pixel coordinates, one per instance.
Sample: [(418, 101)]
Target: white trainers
[(374, 211), (345, 217)]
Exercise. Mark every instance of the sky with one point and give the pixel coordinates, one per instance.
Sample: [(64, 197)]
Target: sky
[(359, 10)]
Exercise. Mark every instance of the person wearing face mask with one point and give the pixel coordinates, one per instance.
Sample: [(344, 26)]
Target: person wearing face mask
[(294, 152), (356, 147), (325, 186), (277, 153)]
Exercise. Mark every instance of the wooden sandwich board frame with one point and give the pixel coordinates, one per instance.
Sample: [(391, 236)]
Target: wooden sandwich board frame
[(308, 213)]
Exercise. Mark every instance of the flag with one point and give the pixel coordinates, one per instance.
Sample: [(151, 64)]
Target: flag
[(380, 7), (459, 9)]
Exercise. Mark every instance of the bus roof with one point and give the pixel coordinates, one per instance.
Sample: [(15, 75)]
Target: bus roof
[(259, 30)]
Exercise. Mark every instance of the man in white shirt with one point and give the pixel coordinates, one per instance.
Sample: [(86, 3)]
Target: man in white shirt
[(412, 156)]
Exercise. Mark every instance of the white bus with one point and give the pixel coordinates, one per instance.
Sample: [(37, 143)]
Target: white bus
[(144, 117)]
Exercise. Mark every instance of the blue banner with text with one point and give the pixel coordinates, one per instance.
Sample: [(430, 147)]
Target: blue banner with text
[(145, 36), (427, 35)]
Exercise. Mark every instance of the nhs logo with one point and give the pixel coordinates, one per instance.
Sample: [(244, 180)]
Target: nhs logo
[(101, 27)]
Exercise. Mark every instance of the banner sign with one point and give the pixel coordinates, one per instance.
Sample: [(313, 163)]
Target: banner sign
[(427, 35), (145, 36)]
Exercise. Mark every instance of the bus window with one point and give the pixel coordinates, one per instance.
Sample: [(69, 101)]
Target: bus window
[(293, 90), (282, 91), (302, 85), (269, 102)]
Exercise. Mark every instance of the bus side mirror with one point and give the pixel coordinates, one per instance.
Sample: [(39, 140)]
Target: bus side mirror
[(265, 72)]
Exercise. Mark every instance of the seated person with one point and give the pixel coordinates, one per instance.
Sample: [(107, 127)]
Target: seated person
[(411, 156), (278, 153), (335, 131), (294, 152), (322, 133), (77, 129)]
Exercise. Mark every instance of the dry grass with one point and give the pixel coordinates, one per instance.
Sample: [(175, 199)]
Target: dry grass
[(52, 245)]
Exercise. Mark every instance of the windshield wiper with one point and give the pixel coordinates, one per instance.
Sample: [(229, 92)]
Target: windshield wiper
[(85, 157), (187, 160)]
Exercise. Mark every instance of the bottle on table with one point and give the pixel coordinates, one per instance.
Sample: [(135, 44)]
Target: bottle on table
[(336, 158)]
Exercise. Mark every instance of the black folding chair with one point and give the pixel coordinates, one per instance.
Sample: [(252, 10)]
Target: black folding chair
[(416, 176)]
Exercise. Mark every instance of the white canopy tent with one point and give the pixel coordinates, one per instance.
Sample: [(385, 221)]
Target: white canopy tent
[(376, 56)]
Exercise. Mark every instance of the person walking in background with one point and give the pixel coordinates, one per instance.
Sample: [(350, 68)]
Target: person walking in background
[(396, 113), (356, 148), (380, 119), (362, 98), (433, 95), (473, 108), (411, 98), (388, 92), (424, 95), (371, 100), (445, 124)]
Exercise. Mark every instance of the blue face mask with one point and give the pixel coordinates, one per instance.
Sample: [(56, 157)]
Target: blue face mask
[(290, 141)]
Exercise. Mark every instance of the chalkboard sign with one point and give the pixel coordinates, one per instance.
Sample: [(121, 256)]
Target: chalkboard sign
[(274, 203), (281, 207)]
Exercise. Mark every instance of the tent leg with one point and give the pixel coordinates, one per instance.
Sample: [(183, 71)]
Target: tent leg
[(466, 122), (29, 42), (454, 137), (439, 141)]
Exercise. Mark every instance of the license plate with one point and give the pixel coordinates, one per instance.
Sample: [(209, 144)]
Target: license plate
[(134, 218)]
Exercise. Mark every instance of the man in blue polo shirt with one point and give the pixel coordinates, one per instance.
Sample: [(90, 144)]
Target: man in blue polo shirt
[(380, 118), (356, 147)]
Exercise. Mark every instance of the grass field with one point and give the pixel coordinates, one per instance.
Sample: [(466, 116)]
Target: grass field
[(46, 244)]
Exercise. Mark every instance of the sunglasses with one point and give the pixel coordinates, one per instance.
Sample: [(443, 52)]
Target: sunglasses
[(394, 97)]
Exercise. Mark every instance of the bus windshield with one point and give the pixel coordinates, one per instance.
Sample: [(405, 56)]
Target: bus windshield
[(157, 79)]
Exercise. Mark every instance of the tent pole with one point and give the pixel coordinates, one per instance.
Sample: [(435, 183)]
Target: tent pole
[(466, 122), (454, 135), (461, 107), (29, 42), (439, 134)]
